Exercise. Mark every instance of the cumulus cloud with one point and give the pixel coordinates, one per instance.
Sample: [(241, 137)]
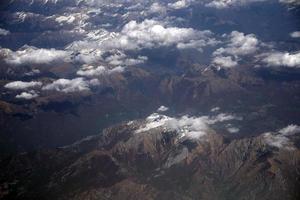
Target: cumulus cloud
[(233, 129), (152, 34), (27, 95), (224, 61), (90, 71), (122, 59), (185, 126), (21, 85), (295, 34), (162, 109), (239, 44), (179, 4), (290, 130), (284, 59), (70, 85), (157, 8), (65, 19), (4, 32), (291, 2), (215, 109), (281, 139), (32, 55), (221, 4)]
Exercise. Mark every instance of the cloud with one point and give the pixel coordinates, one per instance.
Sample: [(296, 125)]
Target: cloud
[(221, 4), (190, 127), (290, 130), (222, 117), (284, 59), (32, 55), (179, 4), (224, 61), (70, 85), (215, 109), (4, 32), (281, 138), (21, 85), (27, 95), (185, 126), (153, 34), (90, 71), (239, 44), (157, 8), (162, 109), (122, 59), (295, 34), (233, 130), (291, 2)]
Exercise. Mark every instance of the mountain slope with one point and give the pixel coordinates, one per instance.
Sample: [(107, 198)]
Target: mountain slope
[(127, 162)]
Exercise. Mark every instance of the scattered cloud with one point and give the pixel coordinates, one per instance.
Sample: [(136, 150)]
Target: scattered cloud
[(221, 4), (162, 109), (215, 109), (281, 138), (224, 61), (70, 85), (185, 126), (233, 130), (290, 130), (153, 34), (179, 4), (295, 34), (32, 55), (91, 71), (4, 32), (157, 8), (27, 95), (122, 59), (239, 44), (284, 59), (21, 85), (291, 2)]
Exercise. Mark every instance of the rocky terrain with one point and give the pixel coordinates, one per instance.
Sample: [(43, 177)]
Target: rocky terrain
[(138, 160)]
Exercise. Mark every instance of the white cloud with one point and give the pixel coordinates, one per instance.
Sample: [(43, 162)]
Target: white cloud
[(122, 59), (162, 109), (282, 59), (32, 55), (21, 85), (27, 95), (69, 86), (185, 126), (222, 117), (233, 130), (65, 19), (221, 4), (290, 2), (215, 109), (90, 71), (189, 127), (239, 44), (152, 34), (281, 138), (295, 34), (290, 130), (4, 32), (157, 8), (179, 4), (224, 61)]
